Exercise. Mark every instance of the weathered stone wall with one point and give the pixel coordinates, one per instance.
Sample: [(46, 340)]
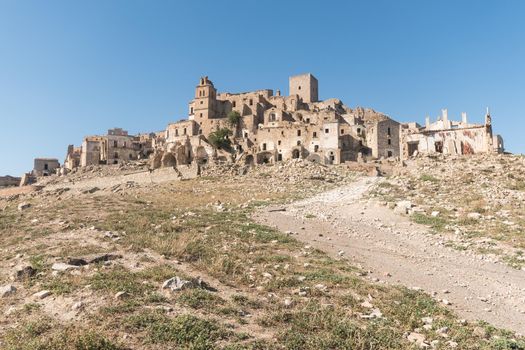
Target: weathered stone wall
[(91, 151), (120, 148), (45, 166), (460, 141), (305, 86), (387, 139), (189, 171)]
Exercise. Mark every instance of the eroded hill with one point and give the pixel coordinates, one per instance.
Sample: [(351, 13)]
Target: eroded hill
[(183, 264)]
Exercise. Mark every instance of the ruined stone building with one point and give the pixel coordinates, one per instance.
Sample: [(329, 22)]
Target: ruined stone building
[(450, 137), (115, 147), (273, 127), (45, 166), (270, 128)]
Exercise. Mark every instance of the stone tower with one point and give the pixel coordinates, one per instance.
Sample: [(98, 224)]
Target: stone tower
[(204, 105), (306, 86)]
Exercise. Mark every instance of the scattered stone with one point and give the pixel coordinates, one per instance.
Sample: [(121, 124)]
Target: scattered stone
[(63, 267), (267, 275), (104, 258), (121, 295), (91, 190), (320, 287), (42, 294), (402, 207), (76, 262), (23, 206), (367, 304), (376, 313), (418, 338), (427, 320), (452, 344), (7, 290), (480, 332), (177, 284), (474, 216), (24, 273), (77, 306)]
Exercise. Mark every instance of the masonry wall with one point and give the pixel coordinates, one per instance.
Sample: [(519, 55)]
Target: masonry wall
[(45, 166), (91, 150), (387, 139), (305, 86), (461, 141)]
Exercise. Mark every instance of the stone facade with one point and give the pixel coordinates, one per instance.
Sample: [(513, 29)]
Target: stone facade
[(45, 166), (114, 148), (450, 137), (273, 128), (270, 128), (73, 157)]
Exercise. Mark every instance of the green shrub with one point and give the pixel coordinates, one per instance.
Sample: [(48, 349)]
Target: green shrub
[(234, 118)]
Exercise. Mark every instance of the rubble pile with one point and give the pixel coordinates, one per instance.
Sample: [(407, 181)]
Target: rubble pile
[(277, 177), (93, 171)]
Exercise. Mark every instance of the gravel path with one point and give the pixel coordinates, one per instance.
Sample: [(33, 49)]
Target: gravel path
[(344, 223)]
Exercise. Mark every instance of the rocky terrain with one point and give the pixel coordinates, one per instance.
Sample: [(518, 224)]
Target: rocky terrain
[(477, 202), (108, 259)]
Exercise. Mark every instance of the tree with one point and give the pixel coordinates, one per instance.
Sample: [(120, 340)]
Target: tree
[(220, 138), (234, 118)]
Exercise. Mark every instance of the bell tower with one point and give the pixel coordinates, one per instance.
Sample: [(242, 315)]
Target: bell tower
[(205, 100)]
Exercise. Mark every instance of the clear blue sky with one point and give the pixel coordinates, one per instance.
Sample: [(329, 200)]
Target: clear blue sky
[(74, 68)]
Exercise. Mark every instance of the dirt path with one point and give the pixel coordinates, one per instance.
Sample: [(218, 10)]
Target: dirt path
[(396, 251)]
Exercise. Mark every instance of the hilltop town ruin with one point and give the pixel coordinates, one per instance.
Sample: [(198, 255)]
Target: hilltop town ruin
[(265, 127)]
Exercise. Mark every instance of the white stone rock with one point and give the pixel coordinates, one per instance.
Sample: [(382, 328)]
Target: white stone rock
[(42, 294), (63, 267), (120, 295), (77, 306), (417, 338), (474, 216), (23, 206), (7, 290), (402, 207)]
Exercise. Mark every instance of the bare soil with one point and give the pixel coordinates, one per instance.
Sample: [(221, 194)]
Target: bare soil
[(344, 223)]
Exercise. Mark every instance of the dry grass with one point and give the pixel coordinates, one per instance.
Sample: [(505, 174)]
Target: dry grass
[(181, 223)]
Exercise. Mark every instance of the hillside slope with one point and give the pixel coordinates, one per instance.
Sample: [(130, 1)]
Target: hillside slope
[(182, 264)]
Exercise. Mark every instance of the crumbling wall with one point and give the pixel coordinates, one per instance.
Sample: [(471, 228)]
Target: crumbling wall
[(464, 141), (189, 171), (45, 166)]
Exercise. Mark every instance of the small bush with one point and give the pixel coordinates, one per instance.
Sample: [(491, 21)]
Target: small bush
[(234, 118), (436, 223), (429, 178), (221, 139)]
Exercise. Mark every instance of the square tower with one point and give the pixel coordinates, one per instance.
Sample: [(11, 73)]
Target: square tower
[(202, 107), (306, 86)]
